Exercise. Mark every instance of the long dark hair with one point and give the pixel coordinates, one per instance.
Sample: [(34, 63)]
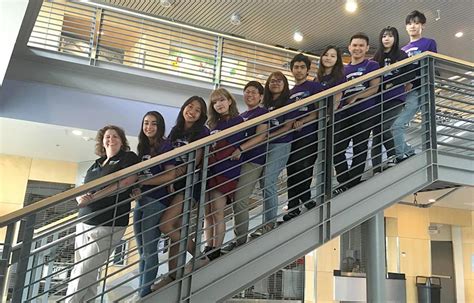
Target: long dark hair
[(179, 131), (394, 52), (282, 100), (144, 146), (337, 72)]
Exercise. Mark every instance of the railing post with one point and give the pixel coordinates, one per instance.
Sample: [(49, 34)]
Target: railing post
[(218, 65), (186, 219), (199, 218), (200, 209), (6, 257), (428, 115), (94, 39), (24, 258), (328, 168)]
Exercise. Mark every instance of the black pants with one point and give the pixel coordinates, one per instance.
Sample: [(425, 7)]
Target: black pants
[(356, 128), (300, 170), (383, 135)]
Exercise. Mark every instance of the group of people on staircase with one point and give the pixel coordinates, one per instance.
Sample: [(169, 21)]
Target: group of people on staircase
[(236, 163)]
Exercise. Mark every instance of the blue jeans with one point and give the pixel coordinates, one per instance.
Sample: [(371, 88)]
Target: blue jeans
[(399, 127), (278, 154), (146, 217)]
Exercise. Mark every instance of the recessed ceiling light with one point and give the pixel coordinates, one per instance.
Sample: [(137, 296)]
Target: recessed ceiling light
[(459, 34), (166, 3), (235, 19), (77, 132), (298, 37), (351, 6), (432, 200)]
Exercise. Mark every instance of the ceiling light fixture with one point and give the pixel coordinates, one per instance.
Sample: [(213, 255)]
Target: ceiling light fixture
[(166, 3), (235, 19), (77, 132), (432, 200), (459, 34), (351, 6), (297, 36)]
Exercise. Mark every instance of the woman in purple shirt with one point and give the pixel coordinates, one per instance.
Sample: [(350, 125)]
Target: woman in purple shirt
[(224, 170), (190, 126), (393, 96), (276, 95), (154, 199), (331, 71)]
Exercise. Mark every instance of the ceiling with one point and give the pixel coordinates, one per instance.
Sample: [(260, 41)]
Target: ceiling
[(47, 141), (459, 197), (322, 22)]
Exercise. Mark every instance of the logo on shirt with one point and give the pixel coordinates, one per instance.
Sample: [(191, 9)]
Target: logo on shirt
[(180, 142), (274, 122), (353, 75), (146, 172), (412, 51), (299, 95), (212, 133)]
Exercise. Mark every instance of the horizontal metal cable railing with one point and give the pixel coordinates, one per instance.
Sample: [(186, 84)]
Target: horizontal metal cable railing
[(454, 90), (184, 214), (107, 34)]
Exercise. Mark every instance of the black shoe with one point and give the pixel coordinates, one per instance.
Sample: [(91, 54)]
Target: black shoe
[(309, 205), (339, 190), (229, 247), (291, 214)]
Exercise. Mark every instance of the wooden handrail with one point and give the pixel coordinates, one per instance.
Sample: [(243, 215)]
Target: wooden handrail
[(106, 180)]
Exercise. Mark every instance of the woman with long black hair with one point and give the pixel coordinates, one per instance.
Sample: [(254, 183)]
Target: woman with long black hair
[(155, 199), (393, 95)]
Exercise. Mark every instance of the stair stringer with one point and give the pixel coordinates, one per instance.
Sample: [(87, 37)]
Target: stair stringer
[(259, 258), (457, 169), (362, 202)]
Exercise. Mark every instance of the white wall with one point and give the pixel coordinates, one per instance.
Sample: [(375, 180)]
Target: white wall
[(11, 17)]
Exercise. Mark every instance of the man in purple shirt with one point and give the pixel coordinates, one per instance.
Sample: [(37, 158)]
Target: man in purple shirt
[(304, 146), (415, 23), (358, 116)]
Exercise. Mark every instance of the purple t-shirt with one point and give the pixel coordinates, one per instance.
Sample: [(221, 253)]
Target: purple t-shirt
[(256, 154), (353, 72), (184, 139), (417, 47), (326, 82), (161, 192), (299, 92), (220, 163), (277, 123)]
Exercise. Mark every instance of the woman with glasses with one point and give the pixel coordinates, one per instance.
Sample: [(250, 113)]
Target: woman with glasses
[(276, 95)]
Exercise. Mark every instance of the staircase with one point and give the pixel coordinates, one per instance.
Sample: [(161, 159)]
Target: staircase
[(444, 138)]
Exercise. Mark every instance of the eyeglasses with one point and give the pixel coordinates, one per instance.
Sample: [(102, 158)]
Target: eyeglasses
[(276, 81)]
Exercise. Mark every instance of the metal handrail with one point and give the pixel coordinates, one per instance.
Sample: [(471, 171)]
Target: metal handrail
[(106, 180), (144, 43)]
